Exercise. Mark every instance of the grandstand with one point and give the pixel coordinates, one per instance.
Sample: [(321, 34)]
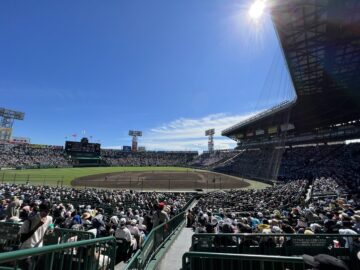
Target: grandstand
[(25, 156), (322, 54), (312, 206), (321, 49)]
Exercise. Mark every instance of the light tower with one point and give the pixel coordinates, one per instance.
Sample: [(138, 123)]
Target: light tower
[(134, 134), (7, 118), (210, 133)]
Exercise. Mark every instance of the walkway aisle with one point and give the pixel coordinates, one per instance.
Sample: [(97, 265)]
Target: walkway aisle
[(173, 257), (172, 260)]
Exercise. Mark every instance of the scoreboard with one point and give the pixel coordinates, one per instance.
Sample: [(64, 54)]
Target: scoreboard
[(82, 147)]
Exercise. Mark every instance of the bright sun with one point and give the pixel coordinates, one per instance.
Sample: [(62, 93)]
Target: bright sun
[(257, 9)]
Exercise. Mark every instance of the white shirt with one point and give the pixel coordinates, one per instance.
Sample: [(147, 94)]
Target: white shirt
[(123, 233), (348, 240), (36, 240)]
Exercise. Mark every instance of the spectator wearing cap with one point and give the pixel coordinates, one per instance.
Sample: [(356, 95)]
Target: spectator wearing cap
[(141, 225), (122, 233), (135, 232), (86, 219), (13, 209), (160, 216), (112, 225)]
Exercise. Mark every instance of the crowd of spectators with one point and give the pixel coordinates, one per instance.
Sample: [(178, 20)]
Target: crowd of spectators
[(253, 163), (125, 214), (271, 198), (39, 156), (210, 160), (32, 156), (338, 162), (327, 186), (276, 210), (332, 172), (148, 158)]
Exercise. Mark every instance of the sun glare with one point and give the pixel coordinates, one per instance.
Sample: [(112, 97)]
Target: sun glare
[(257, 9)]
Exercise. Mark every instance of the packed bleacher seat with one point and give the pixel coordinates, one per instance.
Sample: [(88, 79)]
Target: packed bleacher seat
[(32, 156), (121, 213), (278, 197), (253, 163), (149, 158), (278, 221), (211, 159), (326, 186), (41, 156), (338, 162)]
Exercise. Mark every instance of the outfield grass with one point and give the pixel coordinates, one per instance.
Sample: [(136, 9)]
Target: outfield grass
[(64, 176), (53, 176)]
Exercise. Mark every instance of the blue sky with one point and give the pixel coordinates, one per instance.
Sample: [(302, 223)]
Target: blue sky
[(169, 68)]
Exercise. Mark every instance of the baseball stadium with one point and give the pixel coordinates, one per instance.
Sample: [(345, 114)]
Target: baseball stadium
[(286, 197)]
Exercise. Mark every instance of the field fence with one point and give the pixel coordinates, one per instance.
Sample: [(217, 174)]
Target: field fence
[(16, 178), (145, 184)]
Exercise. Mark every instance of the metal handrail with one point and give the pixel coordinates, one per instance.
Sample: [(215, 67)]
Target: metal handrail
[(275, 234), (24, 253), (261, 259), (142, 256)]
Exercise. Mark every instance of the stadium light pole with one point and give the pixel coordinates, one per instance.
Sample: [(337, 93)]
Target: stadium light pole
[(210, 133)]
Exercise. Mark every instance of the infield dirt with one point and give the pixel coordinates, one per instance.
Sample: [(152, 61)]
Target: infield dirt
[(161, 180)]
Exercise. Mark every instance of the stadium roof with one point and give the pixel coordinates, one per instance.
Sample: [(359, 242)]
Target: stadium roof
[(321, 44)]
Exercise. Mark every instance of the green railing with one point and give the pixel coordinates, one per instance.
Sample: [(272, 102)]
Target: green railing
[(223, 261), (60, 235), (10, 237), (343, 247), (90, 254), (155, 240)]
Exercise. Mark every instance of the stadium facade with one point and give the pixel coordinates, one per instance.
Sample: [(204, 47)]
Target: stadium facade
[(320, 42)]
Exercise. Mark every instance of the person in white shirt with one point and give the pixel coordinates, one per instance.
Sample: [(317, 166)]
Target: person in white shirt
[(123, 233), (33, 230), (32, 233), (134, 230)]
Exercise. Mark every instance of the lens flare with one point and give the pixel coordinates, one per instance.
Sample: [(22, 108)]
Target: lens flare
[(257, 9)]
